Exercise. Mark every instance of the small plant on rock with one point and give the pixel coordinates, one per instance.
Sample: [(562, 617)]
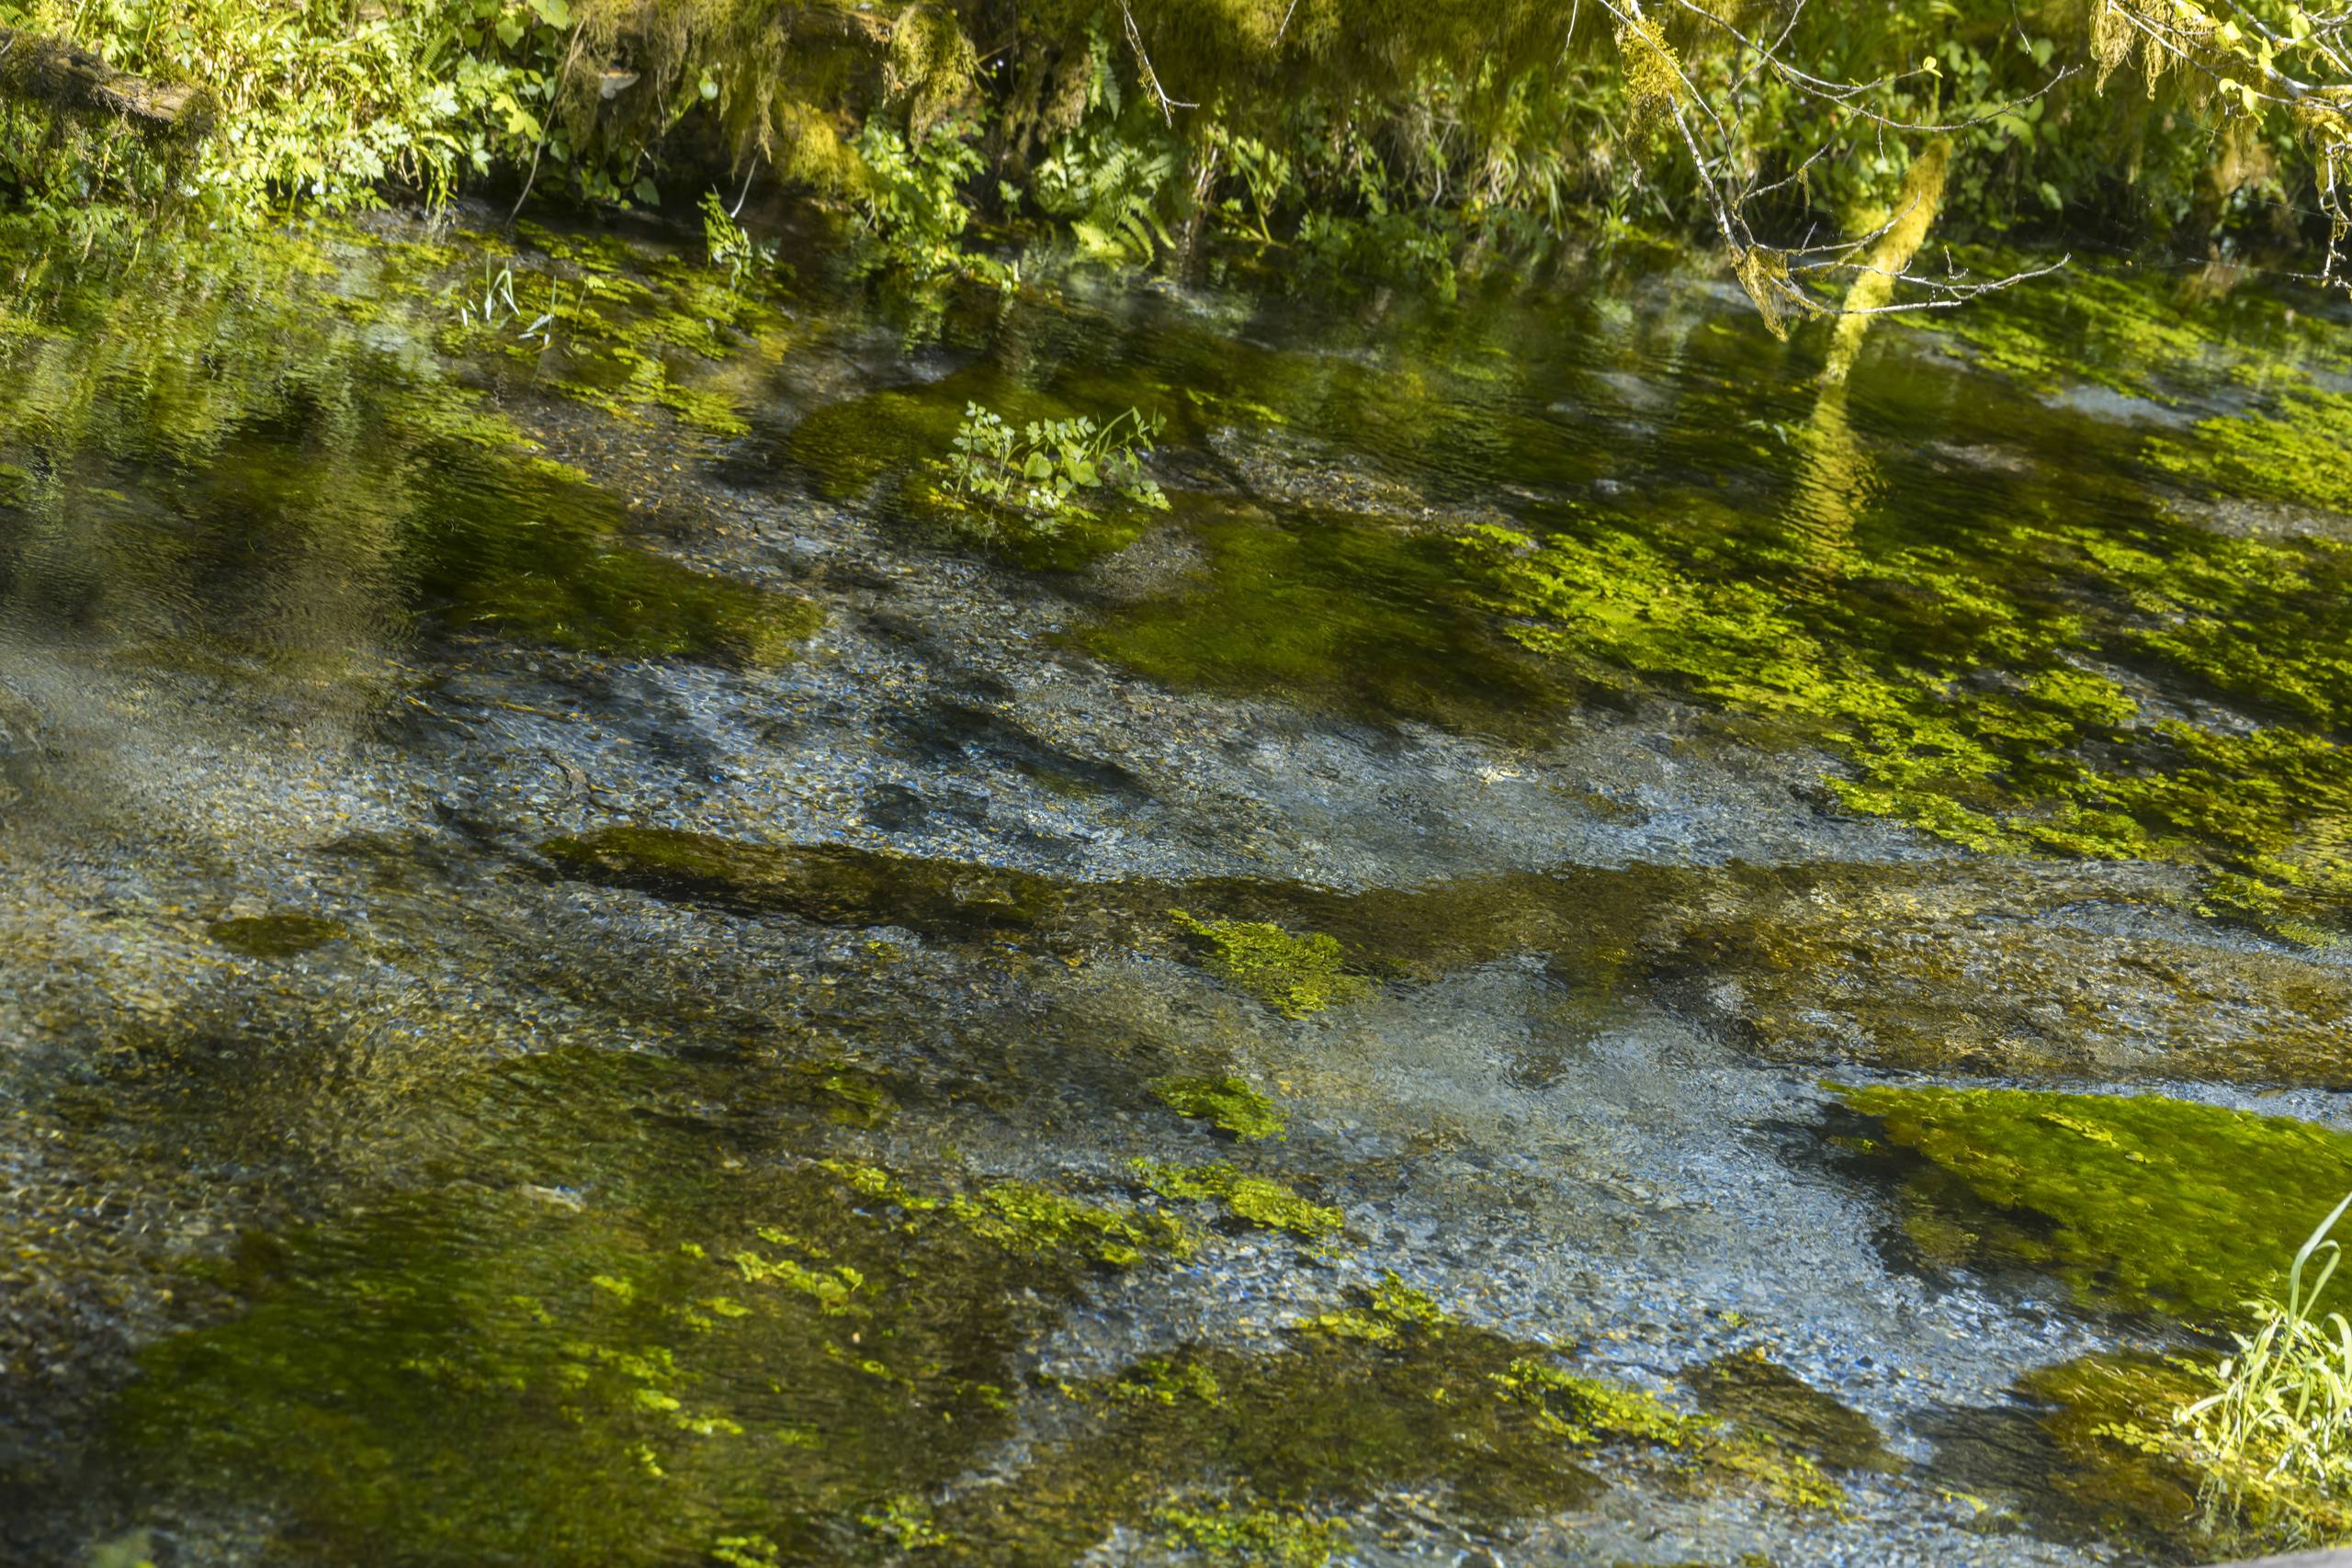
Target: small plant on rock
[(1049, 468), (731, 247), (2275, 1440)]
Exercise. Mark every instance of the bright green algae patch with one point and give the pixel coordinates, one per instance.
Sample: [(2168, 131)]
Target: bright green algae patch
[(2137, 1203), (1225, 1102), (1257, 1200), (1295, 975)]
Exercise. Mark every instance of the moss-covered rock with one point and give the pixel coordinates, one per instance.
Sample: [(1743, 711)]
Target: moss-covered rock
[(1257, 1200), (827, 884), (2136, 1201)]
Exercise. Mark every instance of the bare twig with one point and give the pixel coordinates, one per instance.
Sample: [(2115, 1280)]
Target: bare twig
[(1168, 106)]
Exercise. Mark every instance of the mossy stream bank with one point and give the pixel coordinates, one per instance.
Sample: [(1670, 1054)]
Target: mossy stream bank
[(1576, 958)]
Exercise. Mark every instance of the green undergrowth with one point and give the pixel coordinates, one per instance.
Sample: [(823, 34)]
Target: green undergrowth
[(1295, 975), (898, 446), (2138, 1204)]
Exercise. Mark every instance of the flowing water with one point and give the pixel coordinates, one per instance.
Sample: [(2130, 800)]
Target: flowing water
[(590, 972)]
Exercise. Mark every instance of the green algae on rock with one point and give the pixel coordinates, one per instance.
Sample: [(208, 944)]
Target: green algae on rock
[(2082, 1468), (276, 936), (2027, 682), (625, 1396), (1750, 1389), (1225, 1102), (1256, 1537), (1324, 610), (1295, 975), (1259, 1199), (830, 885), (2138, 1203), (644, 1347)]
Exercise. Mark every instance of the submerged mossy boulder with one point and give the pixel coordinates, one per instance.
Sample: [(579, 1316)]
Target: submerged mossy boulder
[(2118, 1464), (1388, 1392), (277, 936), (1750, 1388), (1344, 613), (827, 884), (496, 1378), (2138, 1201)]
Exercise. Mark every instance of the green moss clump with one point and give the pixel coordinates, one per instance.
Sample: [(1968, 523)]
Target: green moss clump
[(1259, 1199), (1228, 1103), (1389, 1311), (1296, 976), (2095, 672), (470, 1378), (1030, 1219), (1751, 1390), (1586, 1411), (1252, 1537), (2096, 1464), (2137, 1203), (276, 936)]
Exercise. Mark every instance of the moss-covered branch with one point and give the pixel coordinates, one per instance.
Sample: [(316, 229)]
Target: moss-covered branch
[(66, 77)]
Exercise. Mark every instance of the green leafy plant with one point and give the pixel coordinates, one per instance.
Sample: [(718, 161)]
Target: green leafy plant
[(1109, 188), (913, 204), (1051, 466), (731, 247)]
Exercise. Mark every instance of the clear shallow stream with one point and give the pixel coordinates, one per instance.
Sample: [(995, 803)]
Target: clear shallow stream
[(585, 971)]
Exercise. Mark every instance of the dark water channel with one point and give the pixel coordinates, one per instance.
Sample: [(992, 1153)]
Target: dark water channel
[(589, 974)]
